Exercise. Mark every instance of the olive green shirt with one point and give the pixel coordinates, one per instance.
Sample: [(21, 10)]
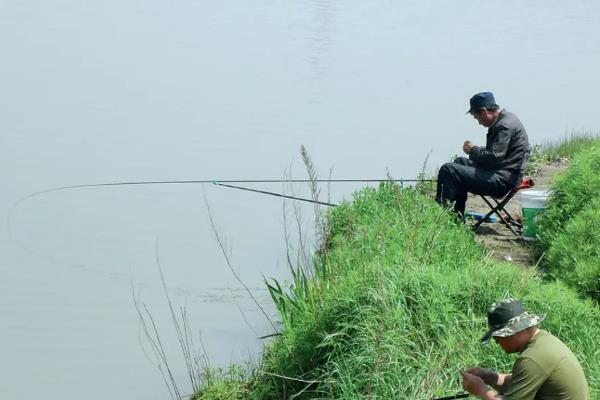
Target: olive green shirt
[(547, 370)]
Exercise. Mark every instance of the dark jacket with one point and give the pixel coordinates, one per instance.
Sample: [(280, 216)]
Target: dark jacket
[(507, 147)]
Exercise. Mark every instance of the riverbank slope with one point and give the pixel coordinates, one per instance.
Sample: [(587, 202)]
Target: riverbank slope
[(394, 307)]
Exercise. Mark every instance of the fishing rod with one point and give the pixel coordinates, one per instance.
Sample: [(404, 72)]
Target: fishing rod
[(456, 396), (277, 194), (228, 183), (222, 183)]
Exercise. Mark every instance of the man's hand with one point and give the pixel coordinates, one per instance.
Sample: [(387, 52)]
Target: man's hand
[(487, 375), (474, 384), (467, 146)]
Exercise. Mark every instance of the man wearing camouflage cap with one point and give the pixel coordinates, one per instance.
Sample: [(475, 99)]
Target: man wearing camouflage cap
[(545, 369)]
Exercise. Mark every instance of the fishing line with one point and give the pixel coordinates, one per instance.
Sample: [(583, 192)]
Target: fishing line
[(178, 182), (224, 182)]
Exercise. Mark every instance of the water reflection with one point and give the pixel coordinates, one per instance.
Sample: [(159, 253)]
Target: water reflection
[(323, 13)]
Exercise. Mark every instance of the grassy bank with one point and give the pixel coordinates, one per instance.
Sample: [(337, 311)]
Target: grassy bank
[(570, 228), (561, 150), (395, 308)]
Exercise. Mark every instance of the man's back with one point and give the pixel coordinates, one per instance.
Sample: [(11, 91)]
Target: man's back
[(518, 146), (547, 370)]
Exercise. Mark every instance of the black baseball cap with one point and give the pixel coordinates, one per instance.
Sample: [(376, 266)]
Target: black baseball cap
[(481, 100)]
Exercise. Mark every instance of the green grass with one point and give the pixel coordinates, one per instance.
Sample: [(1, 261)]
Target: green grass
[(563, 150), (567, 147), (572, 191), (230, 384), (396, 308), (574, 254), (569, 230)]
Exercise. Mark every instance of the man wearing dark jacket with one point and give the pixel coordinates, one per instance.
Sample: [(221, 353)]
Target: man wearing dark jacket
[(491, 170)]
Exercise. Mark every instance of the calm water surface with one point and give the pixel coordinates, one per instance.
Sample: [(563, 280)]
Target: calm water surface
[(134, 90)]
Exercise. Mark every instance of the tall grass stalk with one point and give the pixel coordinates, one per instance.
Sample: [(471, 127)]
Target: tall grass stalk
[(225, 253), (320, 222), (196, 362), (302, 249)]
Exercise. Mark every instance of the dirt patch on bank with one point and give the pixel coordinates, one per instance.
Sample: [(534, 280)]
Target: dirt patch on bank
[(496, 237)]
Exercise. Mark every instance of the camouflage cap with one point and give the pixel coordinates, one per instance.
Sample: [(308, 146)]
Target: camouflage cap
[(507, 317)]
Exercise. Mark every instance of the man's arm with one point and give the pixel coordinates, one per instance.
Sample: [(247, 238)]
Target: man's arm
[(494, 379), (523, 384), (498, 149), (476, 386)]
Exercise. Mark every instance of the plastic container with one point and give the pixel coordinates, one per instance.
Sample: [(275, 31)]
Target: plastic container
[(477, 216), (533, 203)]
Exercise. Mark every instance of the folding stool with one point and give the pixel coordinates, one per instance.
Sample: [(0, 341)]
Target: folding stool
[(516, 227)]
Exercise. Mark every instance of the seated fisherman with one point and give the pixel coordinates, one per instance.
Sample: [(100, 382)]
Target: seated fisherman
[(545, 369), (491, 170)]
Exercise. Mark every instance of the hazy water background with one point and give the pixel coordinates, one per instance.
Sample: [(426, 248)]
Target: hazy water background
[(136, 90)]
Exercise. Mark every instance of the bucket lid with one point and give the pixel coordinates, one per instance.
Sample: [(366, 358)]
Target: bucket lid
[(531, 193), (535, 198)]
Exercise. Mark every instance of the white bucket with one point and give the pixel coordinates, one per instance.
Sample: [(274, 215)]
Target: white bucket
[(533, 203)]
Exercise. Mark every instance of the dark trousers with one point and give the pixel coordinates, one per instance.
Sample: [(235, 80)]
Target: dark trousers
[(458, 178)]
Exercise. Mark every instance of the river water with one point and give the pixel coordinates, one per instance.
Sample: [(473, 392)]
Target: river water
[(136, 90)]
